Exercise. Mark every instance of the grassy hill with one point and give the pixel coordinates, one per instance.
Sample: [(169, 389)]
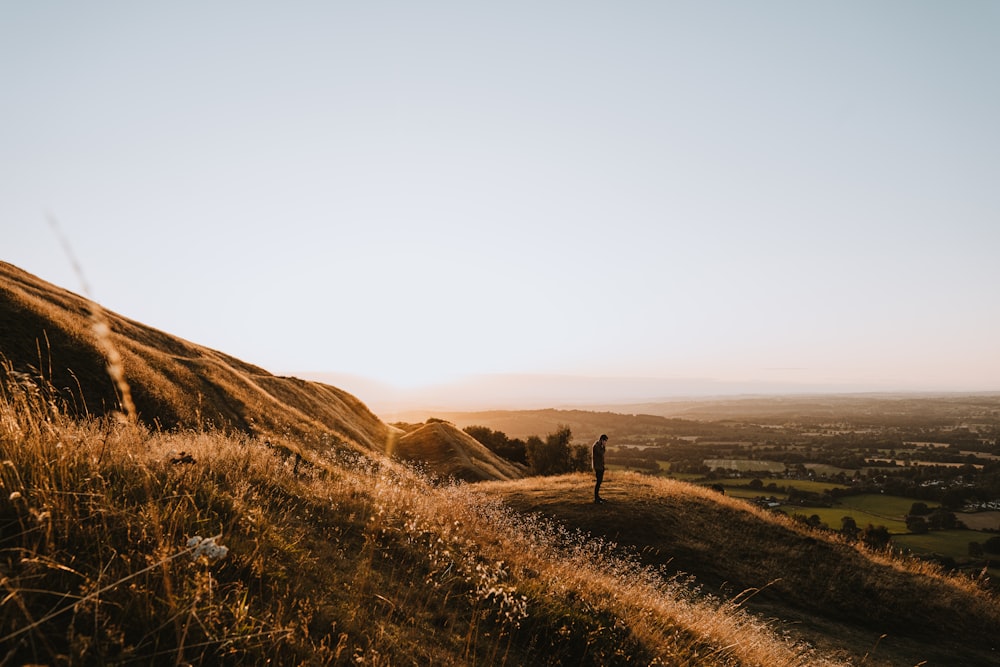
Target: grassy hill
[(834, 594), (55, 335), (452, 453), (121, 545), (65, 341), (190, 534)]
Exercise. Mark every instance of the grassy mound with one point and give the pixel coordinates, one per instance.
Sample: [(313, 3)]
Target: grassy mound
[(452, 453)]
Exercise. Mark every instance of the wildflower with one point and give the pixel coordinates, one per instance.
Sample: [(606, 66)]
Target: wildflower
[(207, 548)]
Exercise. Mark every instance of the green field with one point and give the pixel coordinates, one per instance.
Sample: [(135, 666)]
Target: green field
[(980, 520), (954, 543), (685, 476), (881, 506), (891, 511), (800, 484), (750, 494), (745, 465), (831, 516), (805, 485), (874, 509), (871, 508), (824, 469)]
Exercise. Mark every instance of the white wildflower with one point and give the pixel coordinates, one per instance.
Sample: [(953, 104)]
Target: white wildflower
[(207, 548)]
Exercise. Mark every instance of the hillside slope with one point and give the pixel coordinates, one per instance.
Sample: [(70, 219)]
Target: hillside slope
[(835, 595), (117, 552), (52, 334), (453, 453), (173, 383)]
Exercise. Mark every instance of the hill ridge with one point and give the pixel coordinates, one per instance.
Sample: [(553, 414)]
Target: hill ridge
[(453, 453), (49, 331)]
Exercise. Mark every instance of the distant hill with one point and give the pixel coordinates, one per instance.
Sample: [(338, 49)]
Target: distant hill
[(532, 391), (51, 333), (875, 410), (586, 425), (882, 409), (453, 453)]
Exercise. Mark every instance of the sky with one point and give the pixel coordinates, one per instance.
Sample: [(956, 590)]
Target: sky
[(768, 194)]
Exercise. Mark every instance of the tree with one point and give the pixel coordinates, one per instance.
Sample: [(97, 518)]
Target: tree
[(498, 443), (580, 459), (553, 456), (992, 545), (942, 520), (916, 525), (876, 537), (849, 527), (953, 498), (534, 448)]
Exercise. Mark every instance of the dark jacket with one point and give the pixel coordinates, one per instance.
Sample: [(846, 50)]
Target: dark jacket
[(599, 448)]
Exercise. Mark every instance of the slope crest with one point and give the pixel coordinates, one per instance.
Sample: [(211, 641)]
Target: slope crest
[(454, 453), (49, 332)]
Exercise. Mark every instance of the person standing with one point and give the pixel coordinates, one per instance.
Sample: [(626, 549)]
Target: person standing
[(599, 449)]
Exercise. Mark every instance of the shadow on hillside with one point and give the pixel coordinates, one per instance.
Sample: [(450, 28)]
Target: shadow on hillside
[(822, 589)]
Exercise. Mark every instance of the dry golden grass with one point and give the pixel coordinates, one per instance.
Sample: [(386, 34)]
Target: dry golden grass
[(353, 559)]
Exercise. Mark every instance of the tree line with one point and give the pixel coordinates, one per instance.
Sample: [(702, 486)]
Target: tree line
[(555, 454)]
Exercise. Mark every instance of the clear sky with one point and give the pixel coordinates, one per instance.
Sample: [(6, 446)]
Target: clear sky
[(752, 192)]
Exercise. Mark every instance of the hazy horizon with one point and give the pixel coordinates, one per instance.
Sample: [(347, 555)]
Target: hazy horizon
[(771, 194), (536, 391)]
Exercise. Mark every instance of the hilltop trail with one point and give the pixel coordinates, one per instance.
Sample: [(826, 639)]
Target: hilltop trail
[(824, 590)]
